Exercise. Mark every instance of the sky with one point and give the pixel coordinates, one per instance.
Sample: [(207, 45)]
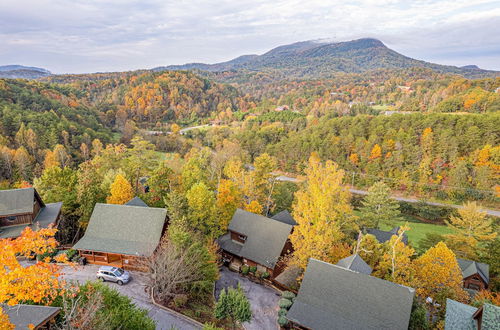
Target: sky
[(79, 36)]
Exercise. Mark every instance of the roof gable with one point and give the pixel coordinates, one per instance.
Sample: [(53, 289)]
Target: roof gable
[(285, 217), (355, 263), (136, 201), (332, 297), (383, 236), (132, 230), (17, 201), (459, 316), (266, 237), (470, 267)]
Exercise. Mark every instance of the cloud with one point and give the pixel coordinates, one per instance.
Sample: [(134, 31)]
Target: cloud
[(115, 35)]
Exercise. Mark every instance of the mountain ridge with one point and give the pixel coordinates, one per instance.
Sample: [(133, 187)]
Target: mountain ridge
[(316, 58), (15, 71)]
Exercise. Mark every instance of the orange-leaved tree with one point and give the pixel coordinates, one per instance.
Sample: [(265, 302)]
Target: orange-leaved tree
[(121, 191), (35, 283)]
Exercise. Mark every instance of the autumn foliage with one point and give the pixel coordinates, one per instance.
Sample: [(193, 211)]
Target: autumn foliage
[(121, 191)]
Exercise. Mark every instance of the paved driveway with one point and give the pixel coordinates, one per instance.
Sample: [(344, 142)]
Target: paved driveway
[(135, 289), (264, 300)]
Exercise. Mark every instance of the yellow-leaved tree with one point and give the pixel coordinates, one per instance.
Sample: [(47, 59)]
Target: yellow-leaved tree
[(121, 191), (38, 282), (229, 198), (322, 211), (470, 228), (438, 276)]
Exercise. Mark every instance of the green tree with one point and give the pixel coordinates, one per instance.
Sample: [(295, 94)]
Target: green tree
[(378, 207), (201, 203), (56, 185), (233, 305)]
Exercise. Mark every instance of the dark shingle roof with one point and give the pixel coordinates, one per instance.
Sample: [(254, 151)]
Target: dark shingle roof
[(131, 230), (459, 316), (355, 263), (285, 217), (136, 201), (470, 267), (266, 237), (23, 315), (384, 236), (16, 201), (47, 216), (332, 297)]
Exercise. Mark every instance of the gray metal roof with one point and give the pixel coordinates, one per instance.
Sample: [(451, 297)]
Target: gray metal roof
[(266, 237), (136, 201), (16, 201), (23, 315), (123, 229), (459, 316), (332, 297), (470, 267), (285, 217), (384, 236), (355, 263), (46, 217), (491, 317)]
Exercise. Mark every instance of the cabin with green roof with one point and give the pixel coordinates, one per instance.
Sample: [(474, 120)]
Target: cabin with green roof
[(122, 235), (464, 317)]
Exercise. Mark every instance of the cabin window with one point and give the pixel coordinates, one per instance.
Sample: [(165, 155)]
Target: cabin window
[(243, 238), (11, 218)]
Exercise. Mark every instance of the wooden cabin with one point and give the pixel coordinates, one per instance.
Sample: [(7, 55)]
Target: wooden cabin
[(476, 275), (256, 241), (24, 207), (122, 235), (31, 316)]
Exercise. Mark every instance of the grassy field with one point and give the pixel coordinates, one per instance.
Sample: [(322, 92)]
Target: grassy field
[(418, 229)]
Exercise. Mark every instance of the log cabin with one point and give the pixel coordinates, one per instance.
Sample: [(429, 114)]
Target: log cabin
[(476, 275), (460, 316), (333, 297), (122, 235), (21, 208), (255, 240)]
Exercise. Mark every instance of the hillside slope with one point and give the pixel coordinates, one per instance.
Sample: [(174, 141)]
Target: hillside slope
[(24, 72), (322, 59)]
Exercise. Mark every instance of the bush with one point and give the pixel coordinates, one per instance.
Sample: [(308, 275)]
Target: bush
[(288, 295), (265, 275), (282, 321), (49, 254), (244, 269), (253, 269), (282, 312), (72, 254), (211, 326), (180, 300), (285, 303)]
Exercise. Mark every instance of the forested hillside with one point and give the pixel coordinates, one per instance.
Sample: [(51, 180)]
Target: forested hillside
[(317, 58)]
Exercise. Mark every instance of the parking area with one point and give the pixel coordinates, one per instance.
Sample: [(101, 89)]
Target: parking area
[(136, 290), (264, 300)]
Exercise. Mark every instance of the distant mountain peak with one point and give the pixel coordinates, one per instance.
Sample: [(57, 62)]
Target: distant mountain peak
[(470, 66), (20, 71), (322, 58)]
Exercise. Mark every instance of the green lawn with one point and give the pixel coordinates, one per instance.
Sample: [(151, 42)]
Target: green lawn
[(418, 229)]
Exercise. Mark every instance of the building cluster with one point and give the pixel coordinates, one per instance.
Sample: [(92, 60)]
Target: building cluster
[(343, 296)]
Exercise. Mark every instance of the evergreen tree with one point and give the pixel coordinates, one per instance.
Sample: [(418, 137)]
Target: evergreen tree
[(378, 207), (234, 306)]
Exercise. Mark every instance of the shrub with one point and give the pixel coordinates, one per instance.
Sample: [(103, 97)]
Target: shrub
[(253, 269), (211, 326), (180, 300), (282, 312), (265, 275), (282, 321), (244, 269), (285, 303), (288, 295), (71, 254)]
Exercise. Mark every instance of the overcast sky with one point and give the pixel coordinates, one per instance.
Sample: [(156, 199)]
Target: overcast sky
[(75, 36)]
